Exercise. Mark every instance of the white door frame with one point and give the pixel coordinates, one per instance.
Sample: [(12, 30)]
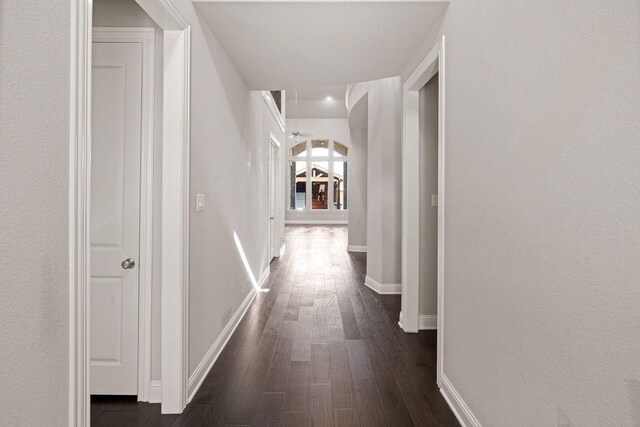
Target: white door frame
[(146, 37), (275, 164), (175, 186), (433, 63)]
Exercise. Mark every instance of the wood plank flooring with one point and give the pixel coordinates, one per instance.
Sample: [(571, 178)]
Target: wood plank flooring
[(319, 349)]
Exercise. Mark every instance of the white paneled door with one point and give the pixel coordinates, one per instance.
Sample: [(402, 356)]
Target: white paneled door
[(115, 216)]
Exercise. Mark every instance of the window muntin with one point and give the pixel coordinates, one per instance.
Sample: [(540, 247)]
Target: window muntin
[(319, 185), (318, 175), (340, 150), (298, 150), (340, 185), (298, 185)]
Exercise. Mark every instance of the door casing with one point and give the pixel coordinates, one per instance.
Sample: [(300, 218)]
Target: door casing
[(433, 63), (175, 226)]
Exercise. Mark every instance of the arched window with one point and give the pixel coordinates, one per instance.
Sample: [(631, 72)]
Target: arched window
[(318, 175)]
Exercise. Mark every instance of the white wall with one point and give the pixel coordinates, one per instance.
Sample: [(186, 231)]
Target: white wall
[(357, 233), (384, 178), (317, 109), (542, 210), (428, 122), (229, 164), (336, 129), (34, 190), (127, 13)]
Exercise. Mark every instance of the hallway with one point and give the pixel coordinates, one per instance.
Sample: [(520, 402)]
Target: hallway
[(320, 349)]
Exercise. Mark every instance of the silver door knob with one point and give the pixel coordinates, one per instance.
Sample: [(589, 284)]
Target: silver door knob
[(128, 263)]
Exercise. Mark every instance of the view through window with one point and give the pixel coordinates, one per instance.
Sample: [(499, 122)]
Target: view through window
[(318, 175)]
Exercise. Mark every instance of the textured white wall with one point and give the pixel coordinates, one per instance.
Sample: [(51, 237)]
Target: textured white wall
[(384, 180), (428, 186), (229, 164), (542, 319), (382, 120), (34, 176), (357, 235)]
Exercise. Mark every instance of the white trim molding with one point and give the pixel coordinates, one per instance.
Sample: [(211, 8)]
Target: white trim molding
[(355, 248), (428, 322), (316, 222), (207, 362), (277, 114), (263, 279), (382, 288), (79, 212), (155, 392), (174, 347), (433, 63), (461, 410)]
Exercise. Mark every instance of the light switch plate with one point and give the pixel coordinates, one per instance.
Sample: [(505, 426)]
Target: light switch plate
[(434, 200), (199, 202)]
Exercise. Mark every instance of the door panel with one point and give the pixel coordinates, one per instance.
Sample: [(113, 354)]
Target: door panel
[(115, 216)]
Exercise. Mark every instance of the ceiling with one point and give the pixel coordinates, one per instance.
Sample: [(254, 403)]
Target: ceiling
[(320, 103), (302, 44)]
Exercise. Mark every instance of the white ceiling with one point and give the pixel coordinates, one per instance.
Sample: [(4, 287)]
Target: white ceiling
[(320, 103), (302, 44)]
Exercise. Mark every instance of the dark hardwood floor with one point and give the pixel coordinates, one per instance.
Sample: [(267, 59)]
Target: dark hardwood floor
[(319, 349)]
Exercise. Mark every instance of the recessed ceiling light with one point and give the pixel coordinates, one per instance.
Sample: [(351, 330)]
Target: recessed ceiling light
[(329, 98)]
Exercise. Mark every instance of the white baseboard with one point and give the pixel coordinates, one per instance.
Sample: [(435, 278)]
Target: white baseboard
[(205, 365), (383, 288), (317, 221), (263, 278), (155, 392), (283, 249), (354, 248), (457, 404), (427, 322)]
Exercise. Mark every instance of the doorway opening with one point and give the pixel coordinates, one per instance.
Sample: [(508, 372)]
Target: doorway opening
[(122, 190), (423, 158), (118, 274), (274, 186)]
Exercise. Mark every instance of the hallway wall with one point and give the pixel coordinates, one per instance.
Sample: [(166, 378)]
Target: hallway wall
[(384, 178), (357, 232), (230, 165), (34, 219), (542, 224)]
